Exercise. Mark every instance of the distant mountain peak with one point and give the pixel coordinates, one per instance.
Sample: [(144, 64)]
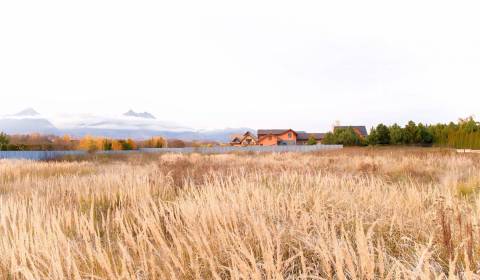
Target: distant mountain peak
[(29, 112), (144, 115)]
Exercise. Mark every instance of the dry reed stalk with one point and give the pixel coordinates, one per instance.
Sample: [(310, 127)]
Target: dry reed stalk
[(353, 214)]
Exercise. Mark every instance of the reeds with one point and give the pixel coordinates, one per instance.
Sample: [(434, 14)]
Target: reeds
[(355, 214)]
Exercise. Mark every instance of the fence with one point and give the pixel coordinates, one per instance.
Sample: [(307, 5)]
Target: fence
[(38, 155), (45, 155), (228, 149)]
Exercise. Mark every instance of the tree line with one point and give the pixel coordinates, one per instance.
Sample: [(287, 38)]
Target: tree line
[(464, 134), (38, 142)]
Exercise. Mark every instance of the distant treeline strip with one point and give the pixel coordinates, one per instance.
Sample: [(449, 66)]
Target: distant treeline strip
[(465, 134)]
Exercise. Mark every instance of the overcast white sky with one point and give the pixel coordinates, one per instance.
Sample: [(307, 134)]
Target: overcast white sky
[(270, 64)]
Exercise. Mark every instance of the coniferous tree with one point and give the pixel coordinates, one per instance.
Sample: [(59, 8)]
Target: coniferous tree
[(397, 135)]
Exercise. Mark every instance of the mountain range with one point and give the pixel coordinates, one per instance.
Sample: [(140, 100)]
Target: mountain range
[(137, 125)]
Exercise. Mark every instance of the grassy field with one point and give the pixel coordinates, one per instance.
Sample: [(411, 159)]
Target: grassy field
[(351, 214)]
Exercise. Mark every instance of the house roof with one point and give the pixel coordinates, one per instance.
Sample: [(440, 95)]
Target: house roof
[(305, 136), (360, 128), (274, 131), (236, 136), (248, 133)]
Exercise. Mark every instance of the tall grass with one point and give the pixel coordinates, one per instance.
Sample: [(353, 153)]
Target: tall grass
[(353, 214)]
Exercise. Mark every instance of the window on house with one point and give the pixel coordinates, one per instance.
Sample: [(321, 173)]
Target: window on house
[(289, 135)]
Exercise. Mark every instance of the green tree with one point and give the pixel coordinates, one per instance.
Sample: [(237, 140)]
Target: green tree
[(468, 125), (397, 135), (383, 134), (379, 135), (344, 136), (426, 137), (412, 133), (126, 146), (372, 138), (329, 139), (348, 137), (107, 145), (312, 140), (4, 141)]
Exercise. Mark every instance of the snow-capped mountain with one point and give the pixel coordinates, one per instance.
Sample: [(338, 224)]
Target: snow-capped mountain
[(27, 121), (29, 112), (144, 115), (128, 125)]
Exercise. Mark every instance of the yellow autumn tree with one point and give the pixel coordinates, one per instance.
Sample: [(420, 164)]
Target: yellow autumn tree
[(90, 144), (116, 145), (66, 142), (100, 143), (66, 138), (155, 142), (131, 144)]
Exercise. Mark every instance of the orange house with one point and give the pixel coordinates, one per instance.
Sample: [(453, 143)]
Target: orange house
[(275, 137)]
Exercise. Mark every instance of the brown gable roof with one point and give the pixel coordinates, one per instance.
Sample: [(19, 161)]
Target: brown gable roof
[(274, 131), (233, 136), (248, 133), (306, 136)]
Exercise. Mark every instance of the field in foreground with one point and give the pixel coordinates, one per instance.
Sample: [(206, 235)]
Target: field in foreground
[(352, 214)]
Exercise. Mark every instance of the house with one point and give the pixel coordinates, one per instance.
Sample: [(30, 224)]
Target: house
[(275, 137), (303, 137), (361, 131), (236, 140), (247, 139)]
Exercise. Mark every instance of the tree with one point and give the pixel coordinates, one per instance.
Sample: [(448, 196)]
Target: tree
[(116, 145), (89, 144), (468, 125), (426, 137), (132, 144), (107, 145), (4, 141), (127, 145), (344, 136), (372, 138), (383, 134), (175, 143), (312, 140), (155, 142), (329, 139), (347, 137), (64, 143), (397, 135), (412, 134)]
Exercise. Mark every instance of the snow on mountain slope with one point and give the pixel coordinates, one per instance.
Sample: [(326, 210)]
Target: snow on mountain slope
[(27, 121)]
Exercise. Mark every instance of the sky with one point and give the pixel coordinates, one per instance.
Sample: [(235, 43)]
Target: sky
[(258, 64)]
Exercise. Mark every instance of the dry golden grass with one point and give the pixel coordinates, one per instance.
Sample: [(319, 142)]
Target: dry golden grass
[(352, 214)]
